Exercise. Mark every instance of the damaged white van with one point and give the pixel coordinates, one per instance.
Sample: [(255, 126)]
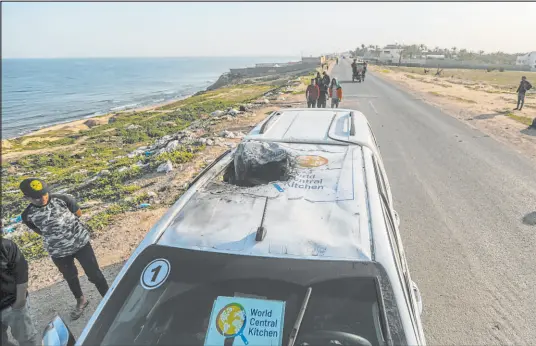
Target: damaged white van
[(290, 239)]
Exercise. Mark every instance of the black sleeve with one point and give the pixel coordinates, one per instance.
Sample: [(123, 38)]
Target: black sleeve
[(16, 261), (29, 223), (70, 201)]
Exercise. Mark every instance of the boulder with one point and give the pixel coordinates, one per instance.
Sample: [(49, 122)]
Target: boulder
[(217, 113), (104, 173), (210, 142), (122, 169), (112, 120), (91, 123), (266, 101), (165, 167), (242, 108)]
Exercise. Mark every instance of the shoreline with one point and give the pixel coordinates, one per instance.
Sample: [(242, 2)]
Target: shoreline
[(106, 116)]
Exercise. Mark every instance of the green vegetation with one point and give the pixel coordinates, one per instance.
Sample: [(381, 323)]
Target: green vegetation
[(519, 118), (80, 168), (31, 245), (504, 80)]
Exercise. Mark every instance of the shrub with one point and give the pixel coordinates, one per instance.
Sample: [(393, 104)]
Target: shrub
[(30, 244)]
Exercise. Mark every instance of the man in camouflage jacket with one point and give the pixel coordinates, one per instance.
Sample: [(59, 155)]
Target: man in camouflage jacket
[(55, 217)]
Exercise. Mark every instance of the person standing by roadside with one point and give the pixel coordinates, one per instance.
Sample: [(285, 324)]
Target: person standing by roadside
[(14, 305), (312, 94), (55, 217), (335, 93), (524, 86)]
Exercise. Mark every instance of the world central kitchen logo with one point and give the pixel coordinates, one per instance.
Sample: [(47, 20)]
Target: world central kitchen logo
[(232, 321)]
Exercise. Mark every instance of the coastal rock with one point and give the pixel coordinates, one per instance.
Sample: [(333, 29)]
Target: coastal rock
[(210, 142), (202, 141), (133, 127), (217, 113), (266, 101), (91, 123), (165, 167)]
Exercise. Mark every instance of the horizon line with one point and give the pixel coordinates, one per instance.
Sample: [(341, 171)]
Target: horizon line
[(156, 57)]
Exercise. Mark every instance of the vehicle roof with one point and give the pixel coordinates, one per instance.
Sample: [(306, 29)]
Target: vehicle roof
[(314, 125), (320, 212)]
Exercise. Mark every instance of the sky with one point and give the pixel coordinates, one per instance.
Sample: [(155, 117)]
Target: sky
[(166, 29)]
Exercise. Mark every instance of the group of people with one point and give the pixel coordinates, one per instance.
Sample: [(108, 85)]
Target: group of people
[(320, 89), (56, 218)]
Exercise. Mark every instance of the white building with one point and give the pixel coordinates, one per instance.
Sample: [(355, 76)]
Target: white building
[(390, 54), (527, 60)]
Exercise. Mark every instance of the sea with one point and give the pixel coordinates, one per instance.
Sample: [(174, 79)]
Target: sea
[(37, 93)]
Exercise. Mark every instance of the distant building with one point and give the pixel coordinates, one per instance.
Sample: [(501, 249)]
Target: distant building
[(528, 59), (390, 53), (435, 56)]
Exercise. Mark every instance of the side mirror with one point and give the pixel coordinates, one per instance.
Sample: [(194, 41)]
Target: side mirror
[(58, 334), (418, 297)]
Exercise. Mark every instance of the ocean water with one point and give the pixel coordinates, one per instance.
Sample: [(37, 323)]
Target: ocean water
[(40, 92)]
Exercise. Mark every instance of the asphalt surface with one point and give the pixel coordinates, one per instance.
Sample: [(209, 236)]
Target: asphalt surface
[(461, 196)]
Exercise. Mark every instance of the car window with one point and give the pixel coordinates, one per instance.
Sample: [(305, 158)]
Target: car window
[(180, 311)]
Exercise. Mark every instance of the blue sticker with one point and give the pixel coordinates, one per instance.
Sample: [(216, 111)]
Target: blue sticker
[(279, 188)]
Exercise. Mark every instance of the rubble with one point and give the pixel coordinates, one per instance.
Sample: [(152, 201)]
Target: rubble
[(165, 167)]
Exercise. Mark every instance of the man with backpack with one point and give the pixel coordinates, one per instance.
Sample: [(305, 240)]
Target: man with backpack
[(524, 86)]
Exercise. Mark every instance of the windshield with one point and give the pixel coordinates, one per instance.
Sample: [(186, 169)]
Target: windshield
[(195, 288)]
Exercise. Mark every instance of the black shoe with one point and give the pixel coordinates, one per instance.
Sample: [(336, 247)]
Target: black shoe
[(516, 109), (520, 109)]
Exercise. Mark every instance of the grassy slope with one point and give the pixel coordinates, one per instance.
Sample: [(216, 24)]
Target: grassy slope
[(68, 168)]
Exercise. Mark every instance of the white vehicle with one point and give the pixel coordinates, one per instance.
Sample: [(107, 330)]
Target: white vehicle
[(312, 257)]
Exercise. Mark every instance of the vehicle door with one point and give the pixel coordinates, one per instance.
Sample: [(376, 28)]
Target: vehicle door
[(412, 292)]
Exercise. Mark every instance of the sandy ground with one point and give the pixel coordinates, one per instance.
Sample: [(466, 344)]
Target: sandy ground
[(481, 105)]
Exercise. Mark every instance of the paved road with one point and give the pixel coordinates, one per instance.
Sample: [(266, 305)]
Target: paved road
[(461, 197)]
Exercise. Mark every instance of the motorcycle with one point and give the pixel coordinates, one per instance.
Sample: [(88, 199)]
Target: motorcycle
[(356, 75)]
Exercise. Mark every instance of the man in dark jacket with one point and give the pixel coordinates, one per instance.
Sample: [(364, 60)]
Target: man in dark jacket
[(14, 307), (524, 86), (56, 218), (312, 94)]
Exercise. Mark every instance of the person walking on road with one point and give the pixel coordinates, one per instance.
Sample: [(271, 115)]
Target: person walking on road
[(323, 96), (312, 93), (524, 86), (14, 305), (335, 93), (55, 217), (325, 79)]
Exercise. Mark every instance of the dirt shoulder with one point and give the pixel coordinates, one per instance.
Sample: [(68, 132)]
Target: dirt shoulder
[(481, 100)]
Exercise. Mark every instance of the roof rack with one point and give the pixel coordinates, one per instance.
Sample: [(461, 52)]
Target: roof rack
[(352, 124), (265, 124)]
